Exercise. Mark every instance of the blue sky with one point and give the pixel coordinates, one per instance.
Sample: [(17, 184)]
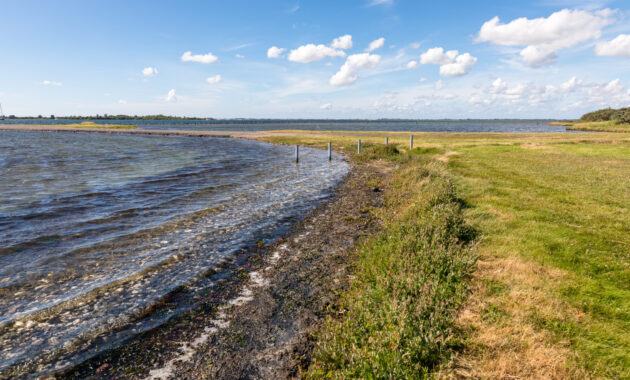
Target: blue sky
[(448, 59)]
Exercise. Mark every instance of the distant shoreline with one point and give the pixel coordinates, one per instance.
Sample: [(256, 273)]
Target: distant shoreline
[(592, 126)]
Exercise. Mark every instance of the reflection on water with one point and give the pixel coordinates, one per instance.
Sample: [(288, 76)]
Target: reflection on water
[(96, 227)]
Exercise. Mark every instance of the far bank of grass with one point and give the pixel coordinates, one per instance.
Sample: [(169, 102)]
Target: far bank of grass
[(551, 290), (93, 125), (594, 126)]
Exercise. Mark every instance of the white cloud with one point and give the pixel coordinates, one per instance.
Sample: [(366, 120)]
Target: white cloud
[(421, 80), (51, 83), (343, 42), (170, 97), (199, 58), (121, 101), (275, 52), (543, 37), (312, 53), (149, 71), (619, 47), (376, 44), (437, 56), (415, 45), (326, 106), (214, 80), (462, 66), (347, 74), (440, 85), (372, 3), (412, 65), (452, 64), (239, 56), (570, 85)]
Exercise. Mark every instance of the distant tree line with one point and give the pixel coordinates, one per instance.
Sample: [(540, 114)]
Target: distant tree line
[(621, 115), (114, 117), (134, 117)]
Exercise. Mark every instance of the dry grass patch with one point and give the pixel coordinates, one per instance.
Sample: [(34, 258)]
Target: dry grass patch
[(504, 341)]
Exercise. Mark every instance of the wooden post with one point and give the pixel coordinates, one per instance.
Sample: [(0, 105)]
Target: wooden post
[(297, 153), (410, 142), (386, 140), (329, 151), (359, 147)]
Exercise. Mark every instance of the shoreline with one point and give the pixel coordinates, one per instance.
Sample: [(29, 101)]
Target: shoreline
[(254, 280), (268, 300)]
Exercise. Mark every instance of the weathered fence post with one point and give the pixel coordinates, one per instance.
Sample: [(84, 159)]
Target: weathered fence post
[(386, 140), (410, 142), (329, 151), (297, 153), (359, 147)]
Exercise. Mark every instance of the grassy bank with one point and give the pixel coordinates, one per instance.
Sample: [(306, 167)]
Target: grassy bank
[(594, 126), (550, 293), (93, 125)]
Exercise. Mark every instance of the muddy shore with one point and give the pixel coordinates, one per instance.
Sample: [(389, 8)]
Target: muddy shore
[(258, 321)]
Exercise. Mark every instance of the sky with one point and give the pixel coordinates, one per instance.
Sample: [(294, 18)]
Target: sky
[(364, 59)]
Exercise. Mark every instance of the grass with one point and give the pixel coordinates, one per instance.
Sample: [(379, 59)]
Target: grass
[(551, 290), (594, 126), (93, 125)]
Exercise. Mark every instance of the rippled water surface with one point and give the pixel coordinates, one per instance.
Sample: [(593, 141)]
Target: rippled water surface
[(94, 228), (506, 126)]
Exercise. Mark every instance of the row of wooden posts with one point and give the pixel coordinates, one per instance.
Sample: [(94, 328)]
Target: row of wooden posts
[(297, 148)]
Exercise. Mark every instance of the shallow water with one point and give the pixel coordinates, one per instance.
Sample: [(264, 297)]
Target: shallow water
[(95, 228), (502, 126)]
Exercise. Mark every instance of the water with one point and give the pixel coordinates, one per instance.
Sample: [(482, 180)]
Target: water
[(507, 126), (95, 228)]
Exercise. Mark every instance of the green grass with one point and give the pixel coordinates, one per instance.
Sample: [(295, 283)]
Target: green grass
[(558, 201), (93, 125), (570, 209), (594, 126), (396, 321)]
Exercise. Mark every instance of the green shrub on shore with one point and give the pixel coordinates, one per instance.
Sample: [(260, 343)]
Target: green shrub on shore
[(621, 115), (396, 321)]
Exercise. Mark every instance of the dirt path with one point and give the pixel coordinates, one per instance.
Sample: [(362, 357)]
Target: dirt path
[(257, 323)]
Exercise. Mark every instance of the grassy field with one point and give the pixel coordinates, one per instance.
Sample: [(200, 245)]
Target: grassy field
[(545, 217), (594, 126)]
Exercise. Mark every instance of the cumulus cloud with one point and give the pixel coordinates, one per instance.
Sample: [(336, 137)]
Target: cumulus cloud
[(214, 80), (312, 53), (376, 44), (51, 83), (326, 106), (462, 66), (199, 58), (557, 96), (343, 42), (619, 47), (149, 71), (440, 85), (571, 85), (412, 64), (170, 97), (347, 74), (437, 56), (275, 52), (452, 64), (543, 37)]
